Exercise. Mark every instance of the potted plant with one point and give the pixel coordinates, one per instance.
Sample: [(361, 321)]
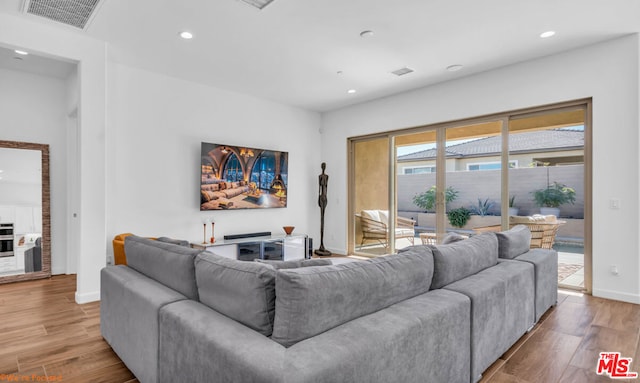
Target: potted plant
[(427, 200), (550, 199), (513, 211), (459, 217), (483, 207)]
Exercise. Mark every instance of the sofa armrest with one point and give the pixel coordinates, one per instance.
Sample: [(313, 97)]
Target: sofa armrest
[(371, 225), (198, 344), (405, 222), (129, 304)]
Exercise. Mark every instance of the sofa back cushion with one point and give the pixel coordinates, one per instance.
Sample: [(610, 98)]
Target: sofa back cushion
[(514, 242), (452, 237), (169, 264), (294, 264), (173, 241), (371, 214), (458, 260), (312, 300), (243, 291)]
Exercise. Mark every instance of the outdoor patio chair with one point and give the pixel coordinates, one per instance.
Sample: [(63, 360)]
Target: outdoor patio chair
[(374, 227), (543, 229)]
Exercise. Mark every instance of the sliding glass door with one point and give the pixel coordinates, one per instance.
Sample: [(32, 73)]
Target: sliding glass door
[(416, 185), (370, 197), (548, 148), (474, 160)]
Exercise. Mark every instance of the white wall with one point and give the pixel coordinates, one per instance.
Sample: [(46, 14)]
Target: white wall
[(33, 110), (608, 72), (90, 54), (155, 126)]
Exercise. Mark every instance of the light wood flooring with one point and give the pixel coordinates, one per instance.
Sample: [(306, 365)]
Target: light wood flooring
[(44, 333)]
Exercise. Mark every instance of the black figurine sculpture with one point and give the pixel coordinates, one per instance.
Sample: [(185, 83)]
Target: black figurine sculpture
[(323, 180)]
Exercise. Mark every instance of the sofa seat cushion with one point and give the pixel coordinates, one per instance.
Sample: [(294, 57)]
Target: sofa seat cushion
[(399, 232), (514, 242), (405, 232), (458, 260), (243, 291), (166, 263), (312, 300)]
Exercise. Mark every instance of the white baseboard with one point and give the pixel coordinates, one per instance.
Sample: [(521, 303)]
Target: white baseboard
[(616, 295), (87, 297), (337, 251)]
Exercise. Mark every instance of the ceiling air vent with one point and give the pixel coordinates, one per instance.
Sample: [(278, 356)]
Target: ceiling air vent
[(76, 13), (257, 3), (402, 71)]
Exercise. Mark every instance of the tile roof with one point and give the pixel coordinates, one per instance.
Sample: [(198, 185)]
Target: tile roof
[(543, 140)]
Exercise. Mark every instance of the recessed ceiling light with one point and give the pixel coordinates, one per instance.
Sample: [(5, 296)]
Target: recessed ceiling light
[(547, 34), (24, 53), (186, 35), (454, 68), (365, 34), (351, 91)]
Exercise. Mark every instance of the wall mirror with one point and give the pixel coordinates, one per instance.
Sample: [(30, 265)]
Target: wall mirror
[(25, 215)]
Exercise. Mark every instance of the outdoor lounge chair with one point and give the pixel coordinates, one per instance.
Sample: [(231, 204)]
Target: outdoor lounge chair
[(543, 229), (374, 224)]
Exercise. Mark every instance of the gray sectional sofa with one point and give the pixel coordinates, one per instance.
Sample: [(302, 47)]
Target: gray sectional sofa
[(428, 314)]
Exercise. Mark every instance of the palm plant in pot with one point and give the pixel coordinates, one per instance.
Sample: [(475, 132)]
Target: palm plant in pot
[(550, 199), (427, 200)]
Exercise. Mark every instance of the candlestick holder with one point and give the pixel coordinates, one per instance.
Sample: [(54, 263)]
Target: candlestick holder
[(205, 221), (213, 239)]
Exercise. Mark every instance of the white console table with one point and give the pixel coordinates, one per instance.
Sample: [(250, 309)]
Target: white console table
[(274, 247)]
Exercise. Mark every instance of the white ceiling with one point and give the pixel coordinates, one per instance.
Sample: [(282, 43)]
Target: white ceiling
[(32, 63), (291, 51)]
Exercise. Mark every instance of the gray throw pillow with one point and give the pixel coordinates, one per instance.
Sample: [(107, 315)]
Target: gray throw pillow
[(312, 300), (514, 242), (243, 291), (452, 237), (294, 264), (458, 260), (168, 264)]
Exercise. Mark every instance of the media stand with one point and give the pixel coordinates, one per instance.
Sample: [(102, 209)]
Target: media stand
[(272, 247)]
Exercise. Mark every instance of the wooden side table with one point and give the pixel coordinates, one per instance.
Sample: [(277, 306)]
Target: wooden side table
[(428, 238)]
